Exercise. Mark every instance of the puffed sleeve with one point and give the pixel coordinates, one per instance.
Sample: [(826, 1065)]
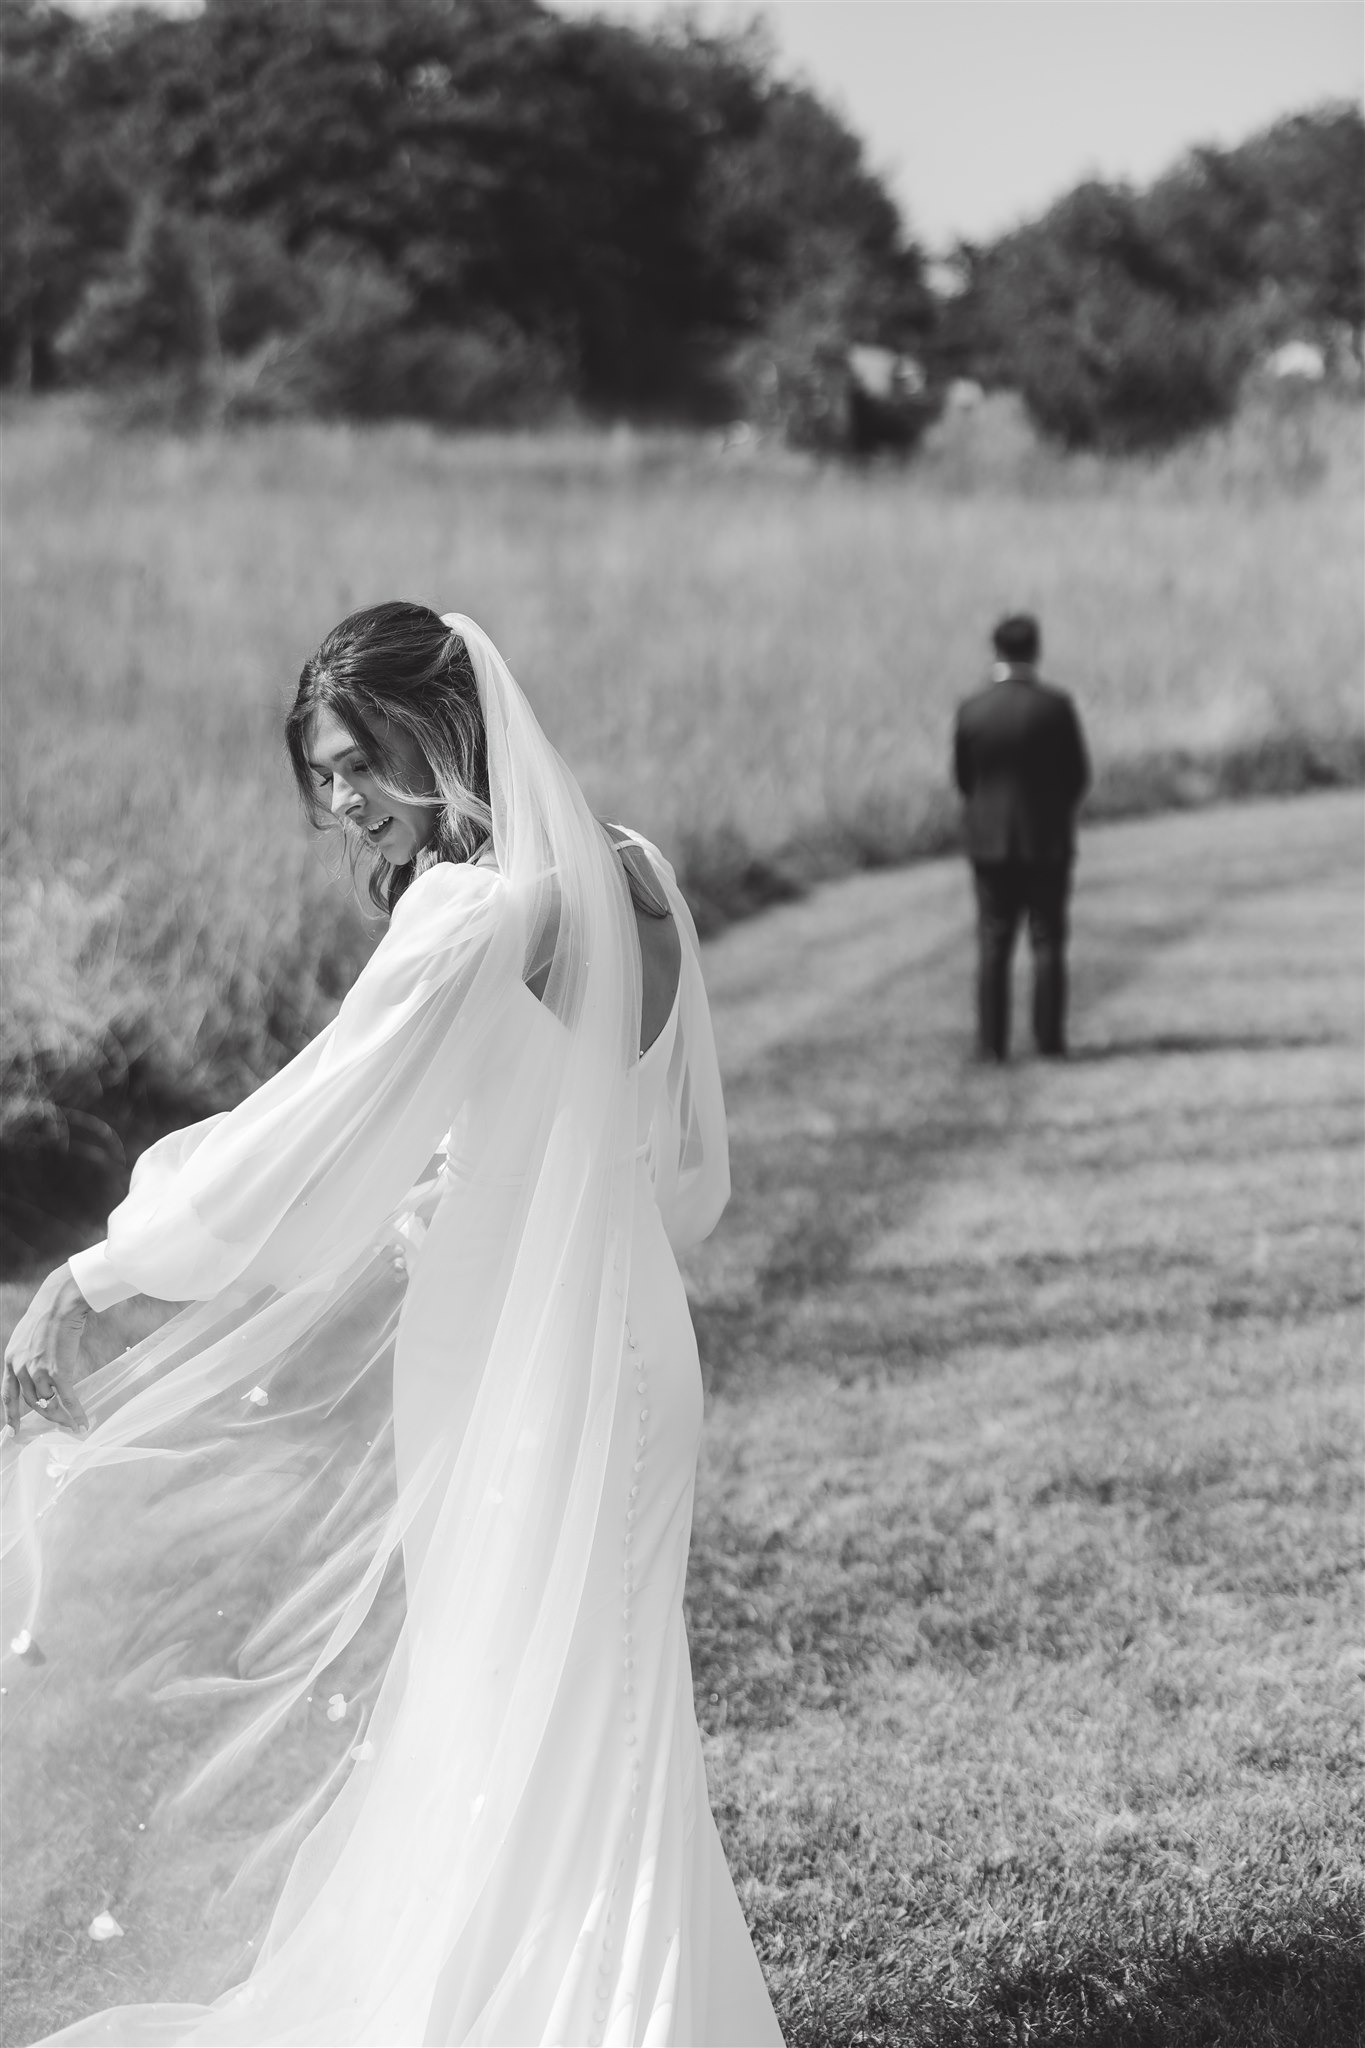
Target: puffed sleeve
[(99, 1283), (304, 1172)]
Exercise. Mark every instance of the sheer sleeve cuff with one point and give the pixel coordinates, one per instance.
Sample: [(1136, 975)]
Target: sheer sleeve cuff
[(97, 1280)]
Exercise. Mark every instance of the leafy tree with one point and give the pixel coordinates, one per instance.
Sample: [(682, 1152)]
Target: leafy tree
[(1311, 240), (495, 160), (448, 205), (817, 257), (1083, 314), (1278, 223), (1129, 319), (63, 205), (150, 315)]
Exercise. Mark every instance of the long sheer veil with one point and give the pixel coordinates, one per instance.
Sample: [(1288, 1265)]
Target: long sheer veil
[(317, 1561)]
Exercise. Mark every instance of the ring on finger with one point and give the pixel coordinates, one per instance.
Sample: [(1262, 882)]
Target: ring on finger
[(44, 1400)]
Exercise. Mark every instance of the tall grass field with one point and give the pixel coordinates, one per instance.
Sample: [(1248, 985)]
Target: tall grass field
[(752, 657)]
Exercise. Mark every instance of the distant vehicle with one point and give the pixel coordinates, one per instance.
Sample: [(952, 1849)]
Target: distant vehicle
[(854, 400), (1301, 360), (884, 374), (739, 437), (888, 402)]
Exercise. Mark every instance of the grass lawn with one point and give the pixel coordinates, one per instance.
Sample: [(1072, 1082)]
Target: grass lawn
[(1023, 1596), (1024, 1611)]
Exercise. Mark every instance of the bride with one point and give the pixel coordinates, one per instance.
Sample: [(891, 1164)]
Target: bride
[(348, 1605)]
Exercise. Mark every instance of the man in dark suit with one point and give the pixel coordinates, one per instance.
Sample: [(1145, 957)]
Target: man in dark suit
[(1020, 761)]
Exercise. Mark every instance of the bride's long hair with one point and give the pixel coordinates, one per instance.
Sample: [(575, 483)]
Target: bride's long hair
[(399, 667)]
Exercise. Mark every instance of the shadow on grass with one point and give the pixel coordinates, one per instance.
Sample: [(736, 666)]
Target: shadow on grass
[(725, 880), (1302, 1989), (1167, 1042), (1308, 1989), (60, 1176)]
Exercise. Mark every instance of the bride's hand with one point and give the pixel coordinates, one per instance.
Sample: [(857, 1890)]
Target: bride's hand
[(40, 1358)]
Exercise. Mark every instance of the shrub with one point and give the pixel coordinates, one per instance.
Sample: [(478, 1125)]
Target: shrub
[(149, 316), (1128, 371), (358, 354), (1083, 315)]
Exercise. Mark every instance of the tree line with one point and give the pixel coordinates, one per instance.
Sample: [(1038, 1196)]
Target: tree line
[(479, 211), (1127, 319)]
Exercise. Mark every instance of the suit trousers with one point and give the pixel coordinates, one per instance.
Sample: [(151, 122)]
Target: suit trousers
[(1006, 892)]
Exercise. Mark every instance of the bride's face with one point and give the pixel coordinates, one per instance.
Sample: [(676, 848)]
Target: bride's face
[(345, 779)]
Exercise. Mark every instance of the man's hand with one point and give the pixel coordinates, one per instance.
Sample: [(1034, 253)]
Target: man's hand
[(40, 1358)]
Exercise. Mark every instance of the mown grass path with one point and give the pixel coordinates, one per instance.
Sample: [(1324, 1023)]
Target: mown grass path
[(1024, 1623), (1024, 1620)]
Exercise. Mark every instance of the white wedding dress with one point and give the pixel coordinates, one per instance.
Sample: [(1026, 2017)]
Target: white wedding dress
[(375, 1555)]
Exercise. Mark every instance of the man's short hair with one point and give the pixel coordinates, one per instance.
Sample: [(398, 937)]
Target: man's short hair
[(1017, 638)]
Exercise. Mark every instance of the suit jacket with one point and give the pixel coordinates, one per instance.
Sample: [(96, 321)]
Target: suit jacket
[(1020, 761)]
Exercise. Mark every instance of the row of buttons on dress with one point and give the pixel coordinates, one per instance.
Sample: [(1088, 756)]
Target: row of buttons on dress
[(635, 1365)]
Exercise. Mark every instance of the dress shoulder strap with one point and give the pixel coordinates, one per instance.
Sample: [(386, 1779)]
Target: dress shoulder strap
[(645, 888)]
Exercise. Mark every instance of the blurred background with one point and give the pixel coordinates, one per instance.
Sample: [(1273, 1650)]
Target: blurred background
[(737, 370)]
